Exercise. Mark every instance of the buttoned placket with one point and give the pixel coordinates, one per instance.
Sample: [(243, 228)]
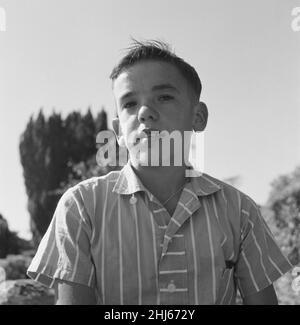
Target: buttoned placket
[(173, 264), (173, 283)]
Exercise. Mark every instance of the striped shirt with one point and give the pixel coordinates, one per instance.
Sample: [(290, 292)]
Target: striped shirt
[(110, 233)]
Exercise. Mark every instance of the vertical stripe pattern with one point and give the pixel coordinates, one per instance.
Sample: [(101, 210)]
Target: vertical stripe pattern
[(120, 251), (139, 271), (194, 264), (212, 254), (111, 234)]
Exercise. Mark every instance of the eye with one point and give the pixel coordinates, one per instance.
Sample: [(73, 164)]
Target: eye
[(164, 98), (129, 104)]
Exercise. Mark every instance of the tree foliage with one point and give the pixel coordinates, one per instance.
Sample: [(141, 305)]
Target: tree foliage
[(284, 201), (49, 150), (10, 243)]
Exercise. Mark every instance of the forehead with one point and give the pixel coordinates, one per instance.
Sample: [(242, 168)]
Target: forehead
[(147, 74)]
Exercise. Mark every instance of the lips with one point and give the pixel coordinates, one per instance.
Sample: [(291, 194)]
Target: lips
[(147, 133)]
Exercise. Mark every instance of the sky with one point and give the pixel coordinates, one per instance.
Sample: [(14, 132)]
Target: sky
[(57, 55)]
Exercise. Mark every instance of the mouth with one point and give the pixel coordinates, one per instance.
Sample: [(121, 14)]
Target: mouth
[(148, 133)]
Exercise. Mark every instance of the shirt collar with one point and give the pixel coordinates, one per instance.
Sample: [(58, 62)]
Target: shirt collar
[(128, 183), (204, 185)]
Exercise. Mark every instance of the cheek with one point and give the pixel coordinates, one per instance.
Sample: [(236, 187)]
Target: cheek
[(124, 122), (128, 131)]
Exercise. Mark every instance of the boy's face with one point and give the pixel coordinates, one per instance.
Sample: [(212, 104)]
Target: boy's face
[(152, 95)]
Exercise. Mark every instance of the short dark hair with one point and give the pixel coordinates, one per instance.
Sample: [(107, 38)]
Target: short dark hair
[(157, 51)]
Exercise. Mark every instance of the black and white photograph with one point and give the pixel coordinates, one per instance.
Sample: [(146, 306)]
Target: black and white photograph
[(150, 154)]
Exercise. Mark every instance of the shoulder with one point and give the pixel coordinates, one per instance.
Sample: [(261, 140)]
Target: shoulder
[(87, 191), (95, 183), (240, 210), (229, 190), (237, 201)]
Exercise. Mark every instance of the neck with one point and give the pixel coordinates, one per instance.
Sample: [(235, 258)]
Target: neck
[(161, 181)]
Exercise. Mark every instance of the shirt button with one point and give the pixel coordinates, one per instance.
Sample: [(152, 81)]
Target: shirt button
[(171, 287)]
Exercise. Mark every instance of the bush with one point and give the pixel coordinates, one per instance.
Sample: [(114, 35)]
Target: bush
[(15, 266), (284, 201), (10, 243), (49, 148)]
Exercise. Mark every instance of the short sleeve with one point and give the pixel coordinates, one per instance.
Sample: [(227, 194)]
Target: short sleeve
[(260, 260), (65, 252)]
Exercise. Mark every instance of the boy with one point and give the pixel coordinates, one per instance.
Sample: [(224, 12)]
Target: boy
[(149, 234)]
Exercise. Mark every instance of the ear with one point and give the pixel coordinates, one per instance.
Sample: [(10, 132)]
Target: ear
[(118, 132), (200, 117)]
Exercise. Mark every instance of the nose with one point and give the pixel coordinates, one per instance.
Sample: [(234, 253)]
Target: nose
[(147, 114)]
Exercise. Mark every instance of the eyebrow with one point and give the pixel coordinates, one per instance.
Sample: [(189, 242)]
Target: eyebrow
[(126, 95), (154, 88), (165, 87)]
